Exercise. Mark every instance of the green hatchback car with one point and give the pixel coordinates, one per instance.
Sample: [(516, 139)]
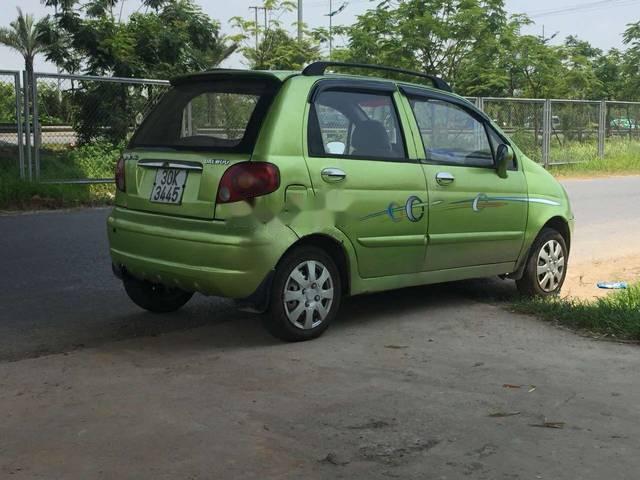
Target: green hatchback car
[(288, 191)]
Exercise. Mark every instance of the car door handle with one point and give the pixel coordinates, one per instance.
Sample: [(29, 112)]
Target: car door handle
[(444, 178), (332, 175)]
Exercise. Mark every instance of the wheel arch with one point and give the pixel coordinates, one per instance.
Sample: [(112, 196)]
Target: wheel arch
[(557, 223), (334, 248), (560, 225)]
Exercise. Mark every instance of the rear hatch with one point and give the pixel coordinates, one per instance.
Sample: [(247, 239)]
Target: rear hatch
[(201, 127)]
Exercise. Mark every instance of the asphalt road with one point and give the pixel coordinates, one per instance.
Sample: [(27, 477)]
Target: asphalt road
[(607, 212), (57, 291)]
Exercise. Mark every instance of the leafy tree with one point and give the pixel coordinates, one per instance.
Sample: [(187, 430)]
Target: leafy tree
[(631, 62), (277, 49), (7, 103), (580, 79), (176, 37), (490, 70), (433, 36), (608, 69), (535, 67)]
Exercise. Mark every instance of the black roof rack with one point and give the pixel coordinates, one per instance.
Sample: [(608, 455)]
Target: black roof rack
[(318, 68)]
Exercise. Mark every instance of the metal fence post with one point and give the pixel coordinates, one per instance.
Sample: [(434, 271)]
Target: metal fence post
[(602, 128), (27, 121), (546, 133), (189, 119), (16, 86), (36, 126), (480, 103)]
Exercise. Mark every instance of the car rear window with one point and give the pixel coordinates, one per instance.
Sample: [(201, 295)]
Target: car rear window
[(207, 115)]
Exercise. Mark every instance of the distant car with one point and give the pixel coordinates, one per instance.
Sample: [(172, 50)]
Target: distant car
[(288, 191), (555, 122), (624, 123)]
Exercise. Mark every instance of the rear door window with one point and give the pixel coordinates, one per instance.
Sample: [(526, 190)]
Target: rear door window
[(355, 125), (219, 116)]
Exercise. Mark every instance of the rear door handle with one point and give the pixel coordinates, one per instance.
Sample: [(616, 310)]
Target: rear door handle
[(332, 175), (444, 178)]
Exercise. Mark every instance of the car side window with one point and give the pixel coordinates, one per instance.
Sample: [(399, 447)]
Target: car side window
[(451, 135), (355, 125), (335, 129)]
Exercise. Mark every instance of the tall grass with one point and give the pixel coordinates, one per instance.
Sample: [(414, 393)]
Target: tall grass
[(622, 156), (92, 161)]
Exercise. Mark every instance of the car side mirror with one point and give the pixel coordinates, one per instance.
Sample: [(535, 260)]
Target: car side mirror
[(504, 157)]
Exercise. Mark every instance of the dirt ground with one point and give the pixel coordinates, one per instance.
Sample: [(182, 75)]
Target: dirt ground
[(414, 384), (606, 240), (583, 276)]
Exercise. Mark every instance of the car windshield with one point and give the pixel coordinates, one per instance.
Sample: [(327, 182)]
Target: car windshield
[(207, 115)]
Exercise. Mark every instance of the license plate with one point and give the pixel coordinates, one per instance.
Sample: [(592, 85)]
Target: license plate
[(168, 186)]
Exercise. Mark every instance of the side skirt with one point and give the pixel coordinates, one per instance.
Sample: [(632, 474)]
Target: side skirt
[(391, 282)]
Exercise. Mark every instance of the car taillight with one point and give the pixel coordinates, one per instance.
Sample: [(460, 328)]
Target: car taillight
[(247, 180), (120, 180)]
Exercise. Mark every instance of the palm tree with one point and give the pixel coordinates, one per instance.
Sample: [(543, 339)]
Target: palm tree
[(25, 36), (221, 50)]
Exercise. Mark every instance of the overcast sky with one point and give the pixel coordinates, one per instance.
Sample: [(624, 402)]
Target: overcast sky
[(601, 23)]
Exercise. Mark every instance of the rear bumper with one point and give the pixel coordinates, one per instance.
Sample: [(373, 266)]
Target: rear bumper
[(212, 257)]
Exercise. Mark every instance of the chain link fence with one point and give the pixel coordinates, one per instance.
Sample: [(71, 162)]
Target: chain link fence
[(12, 160), (78, 125), (574, 135), (622, 121), (520, 118), (83, 122)]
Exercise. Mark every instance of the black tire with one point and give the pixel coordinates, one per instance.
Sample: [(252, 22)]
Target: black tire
[(154, 297), (277, 320), (530, 283)]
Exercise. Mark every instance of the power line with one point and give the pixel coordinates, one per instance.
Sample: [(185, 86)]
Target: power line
[(547, 10), (592, 6)]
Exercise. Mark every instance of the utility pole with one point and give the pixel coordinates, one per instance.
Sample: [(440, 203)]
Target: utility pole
[(255, 10), (265, 19), (330, 28), (330, 15), (299, 20)]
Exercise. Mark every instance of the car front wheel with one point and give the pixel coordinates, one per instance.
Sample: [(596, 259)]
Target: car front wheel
[(305, 295), (546, 266)]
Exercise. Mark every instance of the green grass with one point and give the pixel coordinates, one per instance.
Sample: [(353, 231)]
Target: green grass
[(16, 194), (82, 162), (616, 315), (622, 157)]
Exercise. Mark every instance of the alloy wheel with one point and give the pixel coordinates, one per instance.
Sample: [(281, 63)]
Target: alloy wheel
[(308, 294), (551, 265)]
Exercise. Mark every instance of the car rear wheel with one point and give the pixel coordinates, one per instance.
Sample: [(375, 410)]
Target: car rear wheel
[(546, 266), (305, 295), (154, 297)]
